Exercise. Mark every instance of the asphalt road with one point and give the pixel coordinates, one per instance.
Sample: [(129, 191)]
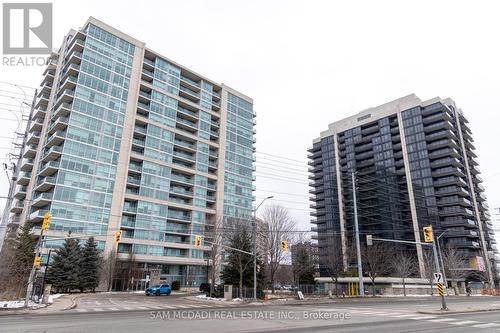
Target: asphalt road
[(349, 316)]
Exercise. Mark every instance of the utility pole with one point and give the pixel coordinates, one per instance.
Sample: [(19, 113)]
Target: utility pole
[(38, 249), (15, 172), (438, 269), (358, 247)]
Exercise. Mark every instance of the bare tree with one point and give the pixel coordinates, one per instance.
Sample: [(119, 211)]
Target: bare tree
[(404, 264), (279, 226), (215, 235), (108, 265), (429, 267), (334, 261), (454, 263), (375, 261)]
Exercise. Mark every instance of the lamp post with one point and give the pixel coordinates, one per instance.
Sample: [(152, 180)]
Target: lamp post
[(441, 259), (255, 247)]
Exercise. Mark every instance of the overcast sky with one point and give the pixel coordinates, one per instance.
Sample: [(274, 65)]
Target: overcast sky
[(309, 63)]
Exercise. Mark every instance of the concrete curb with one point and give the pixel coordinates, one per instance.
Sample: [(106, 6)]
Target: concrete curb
[(440, 312)]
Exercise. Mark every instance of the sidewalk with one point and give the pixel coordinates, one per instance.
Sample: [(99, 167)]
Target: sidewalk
[(62, 303), (464, 308)]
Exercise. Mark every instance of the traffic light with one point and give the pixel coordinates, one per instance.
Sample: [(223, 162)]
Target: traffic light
[(197, 241), (46, 220), (428, 234), (36, 262), (284, 245), (118, 236)]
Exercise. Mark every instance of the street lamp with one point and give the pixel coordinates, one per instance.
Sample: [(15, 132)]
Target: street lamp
[(441, 259), (255, 246)]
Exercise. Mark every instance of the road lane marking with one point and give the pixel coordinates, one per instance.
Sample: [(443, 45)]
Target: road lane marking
[(442, 320), (422, 318), (488, 325), (81, 310), (465, 322), (404, 315), (114, 309), (98, 309)]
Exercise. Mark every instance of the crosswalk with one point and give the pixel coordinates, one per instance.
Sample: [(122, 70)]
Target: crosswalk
[(151, 307), (402, 314)]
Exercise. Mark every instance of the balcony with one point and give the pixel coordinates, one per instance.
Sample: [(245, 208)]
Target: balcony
[(42, 101), (185, 144), (444, 152), (45, 88), (52, 154), (184, 156), (17, 207), (190, 83), (186, 112), (461, 233), (24, 178), (456, 211), (70, 70), (62, 110), (135, 181), (56, 138), (178, 216), (20, 192), (147, 75), (46, 183), (458, 222), (59, 125), (181, 191), (450, 180), (33, 138), (129, 208), (149, 63), (445, 162), (187, 124), (451, 190), (447, 171), (75, 45), (65, 97), (454, 200), (69, 82), (36, 125), (49, 168), (37, 216), (75, 57), (181, 179), (189, 94), (27, 164), (42, 199)]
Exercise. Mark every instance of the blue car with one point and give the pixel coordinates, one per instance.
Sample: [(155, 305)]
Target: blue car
[(160, 289)]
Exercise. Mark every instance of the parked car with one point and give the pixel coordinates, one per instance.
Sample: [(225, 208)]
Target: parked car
[(160, 289)]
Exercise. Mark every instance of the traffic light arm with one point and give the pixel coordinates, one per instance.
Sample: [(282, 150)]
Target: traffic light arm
[(400, 241)]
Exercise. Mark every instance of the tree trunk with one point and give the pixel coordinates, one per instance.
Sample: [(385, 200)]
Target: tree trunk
[(373, 288), (404, 287), (241, 285)]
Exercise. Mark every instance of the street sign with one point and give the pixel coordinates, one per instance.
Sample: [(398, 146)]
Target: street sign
[(440, 288), (438, 278)]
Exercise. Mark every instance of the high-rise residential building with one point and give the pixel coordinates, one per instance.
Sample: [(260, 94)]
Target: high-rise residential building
[(122, 138), (413, 164)]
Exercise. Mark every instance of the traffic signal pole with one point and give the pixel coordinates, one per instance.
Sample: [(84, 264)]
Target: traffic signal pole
[(358, 246), (438, 269)]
